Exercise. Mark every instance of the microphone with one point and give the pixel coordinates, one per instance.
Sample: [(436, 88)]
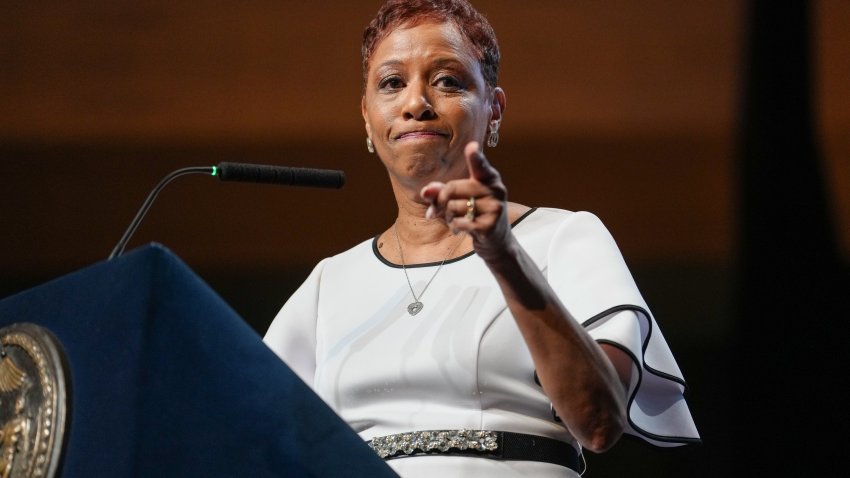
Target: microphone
[(261, 173), (252, 173)]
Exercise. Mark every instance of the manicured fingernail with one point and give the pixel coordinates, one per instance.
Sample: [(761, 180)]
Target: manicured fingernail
[(429, 214), (428, 192)]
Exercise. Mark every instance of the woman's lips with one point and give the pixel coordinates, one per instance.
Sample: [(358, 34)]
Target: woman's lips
[(420, 135)]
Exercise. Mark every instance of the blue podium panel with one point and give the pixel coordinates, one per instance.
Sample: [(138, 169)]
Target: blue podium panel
[(167, 380)]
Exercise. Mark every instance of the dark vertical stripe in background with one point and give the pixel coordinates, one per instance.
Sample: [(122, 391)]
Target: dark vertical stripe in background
[(789, 367)]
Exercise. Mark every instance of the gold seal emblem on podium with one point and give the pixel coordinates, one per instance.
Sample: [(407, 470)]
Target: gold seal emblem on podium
[(33, 401)]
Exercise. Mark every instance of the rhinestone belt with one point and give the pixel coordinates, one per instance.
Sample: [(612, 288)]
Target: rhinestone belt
[(482, 443)]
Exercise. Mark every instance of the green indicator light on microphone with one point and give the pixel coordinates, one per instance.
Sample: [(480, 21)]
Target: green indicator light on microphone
[(215, 170)]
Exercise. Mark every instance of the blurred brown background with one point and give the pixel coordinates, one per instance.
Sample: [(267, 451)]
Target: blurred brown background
[(627, 109)]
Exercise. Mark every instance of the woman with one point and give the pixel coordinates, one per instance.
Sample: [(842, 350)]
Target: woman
[(470, 312)]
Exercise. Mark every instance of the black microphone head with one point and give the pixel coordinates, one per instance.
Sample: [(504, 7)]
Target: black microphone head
[(262, 173)]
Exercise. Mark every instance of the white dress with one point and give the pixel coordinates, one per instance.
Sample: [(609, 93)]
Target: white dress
[(461, 362)]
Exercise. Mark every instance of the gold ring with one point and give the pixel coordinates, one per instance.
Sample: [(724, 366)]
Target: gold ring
[(470, 209)]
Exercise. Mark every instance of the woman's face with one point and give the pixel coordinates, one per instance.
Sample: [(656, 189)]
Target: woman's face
[(425, 100)]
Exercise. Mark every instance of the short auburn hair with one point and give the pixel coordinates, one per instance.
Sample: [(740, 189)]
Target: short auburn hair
[(410, 13)]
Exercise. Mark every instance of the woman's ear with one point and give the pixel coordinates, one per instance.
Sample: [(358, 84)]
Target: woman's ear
[(497, 105), (365, 116)]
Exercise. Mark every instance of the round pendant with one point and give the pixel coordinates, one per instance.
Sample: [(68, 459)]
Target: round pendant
[(414, 307)]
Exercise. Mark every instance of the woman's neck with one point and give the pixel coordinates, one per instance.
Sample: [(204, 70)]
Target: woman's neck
[(421, 240), (424, 240)]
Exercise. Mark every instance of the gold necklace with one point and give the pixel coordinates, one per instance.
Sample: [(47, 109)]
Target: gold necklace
[(416, 306)]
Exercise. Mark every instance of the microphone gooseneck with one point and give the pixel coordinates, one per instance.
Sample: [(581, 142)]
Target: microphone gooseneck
[(119, 248), (254, 173)]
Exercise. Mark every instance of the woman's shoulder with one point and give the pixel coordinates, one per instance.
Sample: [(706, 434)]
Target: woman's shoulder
[(556, 217), (544, 227), (359, 255), (361, 248)]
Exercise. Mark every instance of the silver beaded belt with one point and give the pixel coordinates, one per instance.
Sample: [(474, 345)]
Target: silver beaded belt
[(481, 443)]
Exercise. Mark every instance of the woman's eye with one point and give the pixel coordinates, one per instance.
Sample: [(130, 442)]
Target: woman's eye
[(448, 82), (391, 83)]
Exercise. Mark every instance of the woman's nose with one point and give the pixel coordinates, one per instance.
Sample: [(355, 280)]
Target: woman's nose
[(416, 103)]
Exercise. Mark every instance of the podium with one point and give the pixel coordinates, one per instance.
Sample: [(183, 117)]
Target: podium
[(166, 380)]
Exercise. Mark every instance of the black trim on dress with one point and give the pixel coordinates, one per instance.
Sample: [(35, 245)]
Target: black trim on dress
[(433, 264)]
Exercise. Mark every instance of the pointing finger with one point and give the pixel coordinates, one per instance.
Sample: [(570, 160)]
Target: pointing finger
[(479, 168)]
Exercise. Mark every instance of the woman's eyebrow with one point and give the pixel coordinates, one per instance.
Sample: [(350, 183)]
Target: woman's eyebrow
[(389, 63), (448, 61)]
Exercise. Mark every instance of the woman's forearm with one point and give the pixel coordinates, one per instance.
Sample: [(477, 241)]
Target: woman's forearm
[(576, 374)]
